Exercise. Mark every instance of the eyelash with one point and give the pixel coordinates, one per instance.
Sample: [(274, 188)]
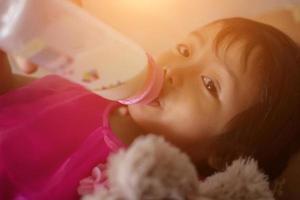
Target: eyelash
[(209, 85)]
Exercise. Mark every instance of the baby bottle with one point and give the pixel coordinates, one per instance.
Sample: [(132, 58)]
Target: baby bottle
[(66, 40)]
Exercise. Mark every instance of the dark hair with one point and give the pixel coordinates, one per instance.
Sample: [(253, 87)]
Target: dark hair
[(269, 131)]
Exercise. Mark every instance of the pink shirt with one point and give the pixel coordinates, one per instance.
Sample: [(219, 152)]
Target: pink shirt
[(52, 133)]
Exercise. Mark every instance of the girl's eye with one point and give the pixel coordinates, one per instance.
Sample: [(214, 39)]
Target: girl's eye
[(183, 50), (209, 85)]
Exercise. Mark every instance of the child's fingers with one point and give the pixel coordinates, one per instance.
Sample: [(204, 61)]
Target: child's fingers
[(25, 66)]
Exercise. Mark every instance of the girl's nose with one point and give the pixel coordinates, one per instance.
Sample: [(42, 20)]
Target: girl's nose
[(173, 75)]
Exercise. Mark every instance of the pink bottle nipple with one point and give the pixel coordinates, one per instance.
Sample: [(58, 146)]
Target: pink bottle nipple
[(152, 87)]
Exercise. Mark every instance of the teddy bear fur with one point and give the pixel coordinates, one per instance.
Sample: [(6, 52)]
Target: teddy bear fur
[(153, 169)]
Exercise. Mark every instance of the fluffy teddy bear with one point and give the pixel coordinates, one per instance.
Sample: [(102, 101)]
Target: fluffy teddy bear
[(153, 169)]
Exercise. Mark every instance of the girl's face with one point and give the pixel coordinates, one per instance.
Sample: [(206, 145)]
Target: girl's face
[(202, 92)]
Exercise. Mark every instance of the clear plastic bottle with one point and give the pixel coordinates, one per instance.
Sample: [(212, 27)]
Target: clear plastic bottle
[(59, 36)]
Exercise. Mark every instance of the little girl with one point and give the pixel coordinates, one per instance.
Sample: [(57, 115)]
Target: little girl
[(231, 89)]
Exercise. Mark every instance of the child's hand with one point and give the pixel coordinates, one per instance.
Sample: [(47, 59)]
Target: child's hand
[(89, 184)]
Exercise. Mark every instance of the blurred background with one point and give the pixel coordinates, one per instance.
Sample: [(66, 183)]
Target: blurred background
[(157, 25)]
